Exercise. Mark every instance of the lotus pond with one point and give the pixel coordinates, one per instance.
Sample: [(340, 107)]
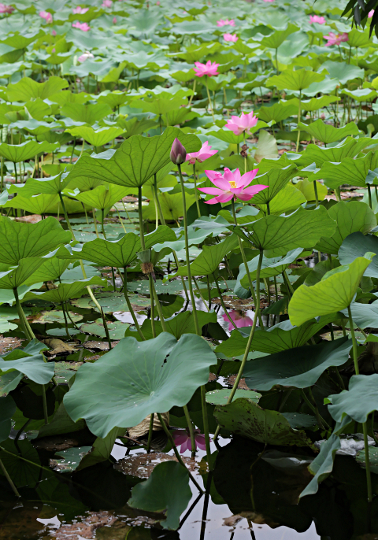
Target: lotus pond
[(188, 270)]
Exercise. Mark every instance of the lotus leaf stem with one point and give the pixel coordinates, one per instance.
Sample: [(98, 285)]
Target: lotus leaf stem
[(9, 479), (191, 430)]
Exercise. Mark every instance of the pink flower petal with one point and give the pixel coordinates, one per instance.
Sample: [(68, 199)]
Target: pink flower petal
[(211, 190)]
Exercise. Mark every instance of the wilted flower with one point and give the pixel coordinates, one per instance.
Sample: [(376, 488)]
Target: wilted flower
[(107, 3), (206, 69), (370, 14), (230, 37), (201, 155), (81, 26), (85, 56), (317, 19), (243, 123), (6, 9), (336, 39), (47, 16), (181, 438), (178, 152), (231, 186), (226, 22), (80, 10), (240, 319)]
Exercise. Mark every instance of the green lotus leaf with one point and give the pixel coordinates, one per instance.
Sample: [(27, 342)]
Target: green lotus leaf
[(275, 179), (300, 229), (354, 246), (246, 418), (349, 171), (89, 114), (312, 104), (274, 40), (208, 260), (32, 366), (137, 379), (159, 106), (135, 126), (49, 270), (38, 109), (26, 150), (363, 315), (116, 329), (21, 240), (278, 112), (308, 190), (270, 266), (65, 291), (121, 253), (27, 88), (166, 490), (333, 293), (342, 71), (356, 38), (328, 134), (35, 204), (136, 160), (96, 137), (19, 40), (361, 94), (294, 80), (289, 199), (171, 205), (299, 367), (350, 218), (280, 337), (15, 276), (358, 401), (102, 196), (52, 185), (319, 154)]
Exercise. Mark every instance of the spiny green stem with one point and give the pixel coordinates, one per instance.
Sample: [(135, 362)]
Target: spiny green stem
[(187, 254)]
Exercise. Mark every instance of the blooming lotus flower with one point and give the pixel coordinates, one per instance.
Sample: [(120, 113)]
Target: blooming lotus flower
[(209, 69), (107, 3), (317, 19), (80, 10), (336, 39), (268, 0), (47, 16), (181, 438), (230, 37), (226, 22), (240, 319), (85, 56), (81, 26), (231, 186), (6, 9), (243, 123), (370, 14), (201, 155)]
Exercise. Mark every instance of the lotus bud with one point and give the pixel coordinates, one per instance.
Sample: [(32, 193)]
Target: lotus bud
[(178, 152)]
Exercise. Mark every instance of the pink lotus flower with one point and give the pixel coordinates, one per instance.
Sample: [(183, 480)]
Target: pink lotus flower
[(201, 155), (6, 9), (85, 56), (317, 19), (226, 22), (182, 438), (47, 16), (268, 0), (336, 39), (370, 14), (230, 37), (243, 123), (107, 3), (240, 319), (114, 20), (53, 32), (231, 186), (80, 10), (209, 69), (81, 26)]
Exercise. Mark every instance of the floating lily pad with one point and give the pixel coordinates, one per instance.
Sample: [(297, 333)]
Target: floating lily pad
[(111, 302)]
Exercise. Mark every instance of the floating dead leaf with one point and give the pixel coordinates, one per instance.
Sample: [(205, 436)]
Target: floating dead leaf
[(232, 520), (345, 195), (142, 465), (9, 343), (98, 345), (56, 443), (242, 384), (235, 302), (144, 426), (130, 199), (85, 528), (58, 347)]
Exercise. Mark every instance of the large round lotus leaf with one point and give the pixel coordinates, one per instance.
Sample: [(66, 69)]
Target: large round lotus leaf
[(136, 379), (358, 402)]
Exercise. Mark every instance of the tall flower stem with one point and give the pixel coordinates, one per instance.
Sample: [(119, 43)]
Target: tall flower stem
[(250, 338), (247, 269), (126, 295), (364, 425), (29, 334), (299, 118), (195, 189), (196, 325), (209, 98)]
